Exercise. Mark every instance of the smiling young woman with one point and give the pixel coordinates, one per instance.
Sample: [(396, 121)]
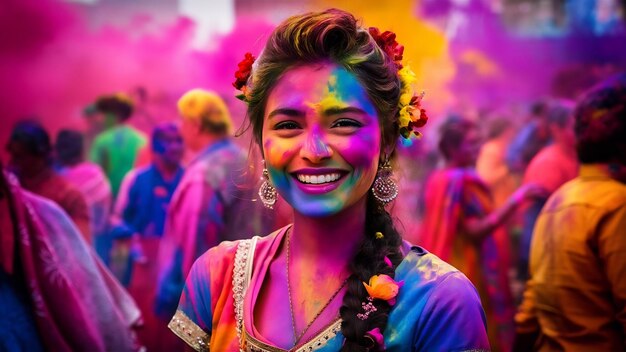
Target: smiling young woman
[(327, 101)]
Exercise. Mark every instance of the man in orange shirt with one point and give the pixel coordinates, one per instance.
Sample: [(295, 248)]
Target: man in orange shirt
[(575, 299)]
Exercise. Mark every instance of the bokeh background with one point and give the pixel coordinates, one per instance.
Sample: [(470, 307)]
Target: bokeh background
[(471, 56)]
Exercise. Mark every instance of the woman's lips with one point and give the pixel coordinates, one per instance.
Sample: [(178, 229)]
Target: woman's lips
[(318, 181)]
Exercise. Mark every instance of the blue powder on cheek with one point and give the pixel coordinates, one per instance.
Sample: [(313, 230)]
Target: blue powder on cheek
[(278, 178)]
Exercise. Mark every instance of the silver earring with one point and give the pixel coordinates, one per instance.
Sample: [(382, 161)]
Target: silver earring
[(385, 189), (267, 192)]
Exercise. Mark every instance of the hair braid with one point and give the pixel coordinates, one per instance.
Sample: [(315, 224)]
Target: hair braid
[(370, 260)]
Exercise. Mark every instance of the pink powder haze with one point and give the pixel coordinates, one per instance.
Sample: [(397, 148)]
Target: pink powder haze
[(52, 64)]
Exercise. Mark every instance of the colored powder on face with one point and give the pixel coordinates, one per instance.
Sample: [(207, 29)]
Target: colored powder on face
[(316, 90)]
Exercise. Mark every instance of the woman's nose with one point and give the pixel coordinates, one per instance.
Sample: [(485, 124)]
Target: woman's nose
[(316, 148)]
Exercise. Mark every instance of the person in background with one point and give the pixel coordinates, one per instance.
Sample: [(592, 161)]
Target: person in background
[(90, 180), (30, 150), (460, 223), (491, 164), (142, 211), (115, 149), (533, 136), (55, 295), (575, 298), (554, 165), (213, 202)]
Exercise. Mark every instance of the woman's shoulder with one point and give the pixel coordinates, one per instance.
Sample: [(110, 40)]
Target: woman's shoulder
[(438, 308), (424, 271)]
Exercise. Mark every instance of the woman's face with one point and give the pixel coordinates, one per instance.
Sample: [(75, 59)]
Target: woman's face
[(321, 139)]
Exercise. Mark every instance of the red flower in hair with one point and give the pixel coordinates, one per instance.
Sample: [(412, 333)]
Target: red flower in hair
[(387, 42), (243, 73)]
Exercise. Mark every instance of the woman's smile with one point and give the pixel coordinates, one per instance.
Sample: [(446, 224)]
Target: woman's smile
[(318, 180)]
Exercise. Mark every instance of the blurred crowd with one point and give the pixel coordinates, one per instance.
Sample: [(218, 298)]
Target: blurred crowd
[(100, 229)]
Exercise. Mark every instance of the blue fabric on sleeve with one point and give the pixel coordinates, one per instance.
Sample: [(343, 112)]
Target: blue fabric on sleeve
[(453, 318), (195, 300)]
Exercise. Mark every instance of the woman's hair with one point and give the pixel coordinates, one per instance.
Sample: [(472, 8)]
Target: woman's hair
[(335, 36), (451, 134)]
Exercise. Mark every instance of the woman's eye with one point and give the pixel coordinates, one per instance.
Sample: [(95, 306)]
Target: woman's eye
[(347, 123), (286, 125)]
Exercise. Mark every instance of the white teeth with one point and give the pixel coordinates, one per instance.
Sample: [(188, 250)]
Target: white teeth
[(312, 179)]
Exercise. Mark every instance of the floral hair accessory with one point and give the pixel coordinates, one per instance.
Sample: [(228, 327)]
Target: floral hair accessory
[(367, 309), (377, 336), (411, 115), (379, 235), (387, 42), (242, 75), (388, 262), (383, 287)]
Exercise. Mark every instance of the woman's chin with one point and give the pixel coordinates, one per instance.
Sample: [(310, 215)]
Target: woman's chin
[(318, 209)]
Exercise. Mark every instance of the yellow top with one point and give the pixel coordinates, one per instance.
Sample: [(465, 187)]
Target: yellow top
[(576, 296)]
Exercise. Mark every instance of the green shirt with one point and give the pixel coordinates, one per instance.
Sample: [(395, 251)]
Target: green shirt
[(116, 150)]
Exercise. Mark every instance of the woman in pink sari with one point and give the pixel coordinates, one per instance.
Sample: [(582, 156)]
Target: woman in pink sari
[(460, 225), (73, 302)]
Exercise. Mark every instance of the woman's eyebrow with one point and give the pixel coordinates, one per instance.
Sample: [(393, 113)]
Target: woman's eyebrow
[(286, 111)]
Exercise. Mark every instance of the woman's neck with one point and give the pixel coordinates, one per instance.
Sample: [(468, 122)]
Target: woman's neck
[(332, 240)]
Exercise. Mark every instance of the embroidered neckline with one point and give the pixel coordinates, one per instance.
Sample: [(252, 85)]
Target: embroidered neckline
[(249, 342), (320, 339)]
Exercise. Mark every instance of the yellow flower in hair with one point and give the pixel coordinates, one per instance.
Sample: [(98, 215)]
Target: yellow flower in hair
[(404, 116), (407, 78), (383, 287)]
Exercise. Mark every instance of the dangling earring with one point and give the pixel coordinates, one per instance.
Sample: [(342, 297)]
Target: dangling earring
[(267, 192), (385, 189)]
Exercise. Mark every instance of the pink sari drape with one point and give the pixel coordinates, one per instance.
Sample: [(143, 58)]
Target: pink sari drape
[(78, 305), (450, 196)]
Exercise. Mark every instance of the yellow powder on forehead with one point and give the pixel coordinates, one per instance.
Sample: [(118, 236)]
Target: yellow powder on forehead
[(331, 97)]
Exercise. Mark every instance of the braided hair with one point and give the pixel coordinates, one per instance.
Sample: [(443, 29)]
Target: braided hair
[(334, 35)]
